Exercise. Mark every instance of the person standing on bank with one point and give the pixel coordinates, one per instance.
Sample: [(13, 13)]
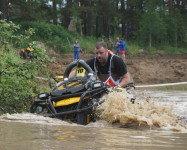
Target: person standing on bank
[(110, 44), (117, 48), (110, 68), (76, 50), (122, 48)]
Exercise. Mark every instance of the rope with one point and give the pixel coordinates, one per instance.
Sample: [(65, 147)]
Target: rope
[(157, 85), (140, 86)]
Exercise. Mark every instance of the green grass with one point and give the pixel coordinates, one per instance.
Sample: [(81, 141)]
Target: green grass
[(87, 42), (174, 50), (174, 87), (132, 48)]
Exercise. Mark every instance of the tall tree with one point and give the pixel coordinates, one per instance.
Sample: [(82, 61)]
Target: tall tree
[(123, 17), (54, 11), (170, 6), (4, 9), (152, 28), (66, 13)]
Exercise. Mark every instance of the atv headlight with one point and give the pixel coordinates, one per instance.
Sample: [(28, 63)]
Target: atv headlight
[(43, 95), (96, 85)]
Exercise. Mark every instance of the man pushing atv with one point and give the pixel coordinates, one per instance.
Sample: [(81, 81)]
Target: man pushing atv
[(76, 97), (109, 68)]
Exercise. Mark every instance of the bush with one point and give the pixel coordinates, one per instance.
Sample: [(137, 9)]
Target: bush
[(52, 35), (18, 86)]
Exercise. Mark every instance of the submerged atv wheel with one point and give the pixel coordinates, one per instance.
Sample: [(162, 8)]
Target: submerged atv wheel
[(83, 118)]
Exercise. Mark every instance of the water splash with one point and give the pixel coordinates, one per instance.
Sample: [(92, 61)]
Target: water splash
[(119, 108)]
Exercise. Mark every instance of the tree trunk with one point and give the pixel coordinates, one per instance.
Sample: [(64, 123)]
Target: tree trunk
[(54, 12), (4, 9), (170, 6), (105, 26), (83, 16), (97, 26), (123, 17), (127, 20), (150, 39), (89, 27), (0, 76), (66, 13)]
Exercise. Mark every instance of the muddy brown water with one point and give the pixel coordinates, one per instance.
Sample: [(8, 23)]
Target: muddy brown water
[(29, 131)]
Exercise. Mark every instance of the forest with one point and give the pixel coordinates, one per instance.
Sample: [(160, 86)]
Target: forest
[(150, 23)]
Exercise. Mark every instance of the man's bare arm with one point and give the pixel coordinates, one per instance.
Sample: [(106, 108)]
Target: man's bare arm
[(125, 80), (72, 74)]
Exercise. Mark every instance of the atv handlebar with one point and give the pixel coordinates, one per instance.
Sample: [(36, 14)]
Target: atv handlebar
[(81, 63)]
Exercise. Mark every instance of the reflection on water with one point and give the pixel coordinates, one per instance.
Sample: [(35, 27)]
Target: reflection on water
[(28, 131)]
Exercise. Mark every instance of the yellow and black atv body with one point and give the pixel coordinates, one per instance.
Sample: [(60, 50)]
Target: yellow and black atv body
[(72, 99), (28, 52)]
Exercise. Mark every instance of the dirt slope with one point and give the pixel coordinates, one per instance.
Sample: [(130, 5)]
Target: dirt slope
[(144, 69)]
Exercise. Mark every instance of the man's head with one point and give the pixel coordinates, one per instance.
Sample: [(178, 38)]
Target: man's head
[(101, 52)]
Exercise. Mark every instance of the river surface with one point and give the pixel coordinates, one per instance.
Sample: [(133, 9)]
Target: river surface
[(31, 132)]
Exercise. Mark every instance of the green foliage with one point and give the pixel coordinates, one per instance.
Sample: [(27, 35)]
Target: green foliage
[(18, 85), (158, 28), (173, 87), (54, 36), (88, 43), (10, 34), (132, 48), (174, 50), (152, 29), (150, 22), (7, 31)]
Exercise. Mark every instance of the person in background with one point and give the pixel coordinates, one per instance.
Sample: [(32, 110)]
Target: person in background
[(76, 50), (102, 40), (117, 47), (122, 48), (110, 44)]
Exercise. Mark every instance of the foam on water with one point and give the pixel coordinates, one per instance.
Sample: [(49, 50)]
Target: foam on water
[(33, 118), (118, 108)]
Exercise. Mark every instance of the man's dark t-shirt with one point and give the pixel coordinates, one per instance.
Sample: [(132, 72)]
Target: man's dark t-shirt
[(118, 66)]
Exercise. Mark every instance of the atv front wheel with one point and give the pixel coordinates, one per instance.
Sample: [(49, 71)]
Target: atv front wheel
[(83, 118)]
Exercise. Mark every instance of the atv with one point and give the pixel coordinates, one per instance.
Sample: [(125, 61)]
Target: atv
[(72, 99), (28, 52)]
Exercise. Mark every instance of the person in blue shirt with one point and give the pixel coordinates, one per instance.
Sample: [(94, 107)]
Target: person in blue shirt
[(122, 48), (76, 50)]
